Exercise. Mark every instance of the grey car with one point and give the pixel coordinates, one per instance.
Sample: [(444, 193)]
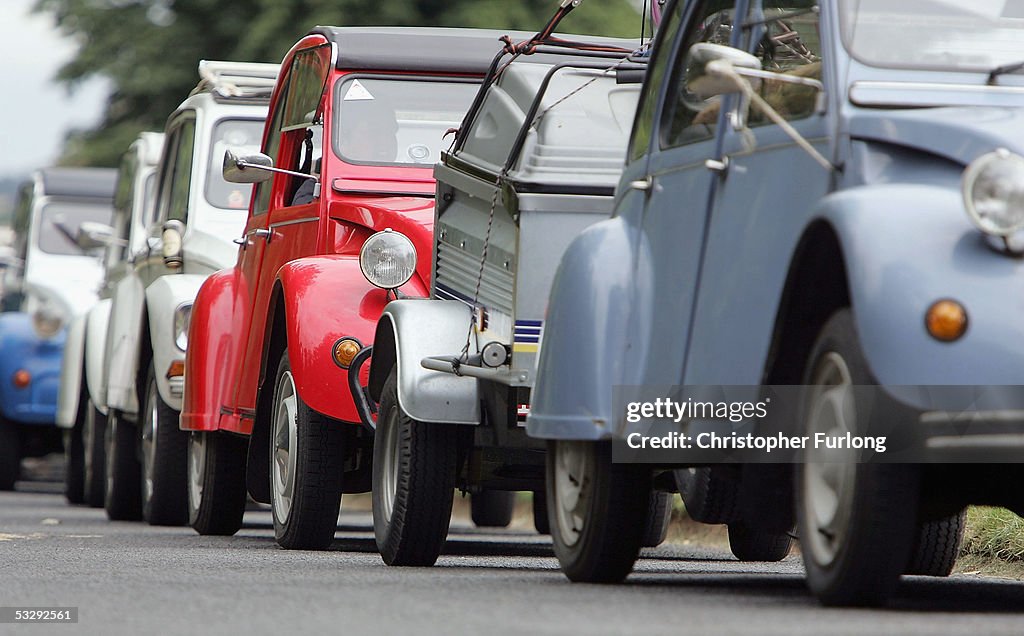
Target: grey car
[(822, 202)]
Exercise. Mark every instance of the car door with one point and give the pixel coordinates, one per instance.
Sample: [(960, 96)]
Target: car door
[(290, 229), (678, 186), (146, 263), (763, 201)]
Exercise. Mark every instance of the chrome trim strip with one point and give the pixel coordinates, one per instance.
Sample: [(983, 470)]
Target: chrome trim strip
[(311, 219), (875, 93)]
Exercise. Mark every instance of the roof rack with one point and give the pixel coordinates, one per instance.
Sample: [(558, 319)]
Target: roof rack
[(236, 80)]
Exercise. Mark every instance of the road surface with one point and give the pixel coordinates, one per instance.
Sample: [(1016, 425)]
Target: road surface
[(129, 578)]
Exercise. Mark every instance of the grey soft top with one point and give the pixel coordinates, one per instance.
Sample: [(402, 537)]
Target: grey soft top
[(98, 183), (426, 49)]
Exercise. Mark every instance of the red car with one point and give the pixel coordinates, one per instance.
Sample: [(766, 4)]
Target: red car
[(341, 222)]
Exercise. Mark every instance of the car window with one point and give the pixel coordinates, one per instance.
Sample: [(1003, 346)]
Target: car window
[(123, 204), (686, 119), (242, 136), (784, 35), (660, 58), (182, 177), (395, 122), (59, 222), (273, 144)]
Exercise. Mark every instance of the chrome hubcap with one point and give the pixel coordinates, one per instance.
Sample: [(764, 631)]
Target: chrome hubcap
[(285, 447), (829, 474), (196, 468), (573, 488), (149, 428), (389, 470)]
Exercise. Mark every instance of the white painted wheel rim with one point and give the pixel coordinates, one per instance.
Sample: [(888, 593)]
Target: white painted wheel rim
[(388, 436), (574, 484), (150, 422), (829, 474), (196, 470), (285, 447)]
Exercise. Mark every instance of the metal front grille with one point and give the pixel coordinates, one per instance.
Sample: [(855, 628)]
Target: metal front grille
[(457, 270)]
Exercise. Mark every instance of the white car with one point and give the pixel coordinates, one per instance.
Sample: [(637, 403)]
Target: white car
[(196, 218), (49, 279), (81, 401)]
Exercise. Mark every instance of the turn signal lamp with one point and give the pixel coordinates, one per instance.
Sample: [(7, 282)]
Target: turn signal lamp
[(344, 351), (946, 320), (21, 378)]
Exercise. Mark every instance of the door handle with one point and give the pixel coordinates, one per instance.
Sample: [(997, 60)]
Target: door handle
[(258, 232), (643, 185)]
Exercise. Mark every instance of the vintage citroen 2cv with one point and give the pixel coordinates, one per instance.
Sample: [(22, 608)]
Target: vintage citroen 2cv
[(820, 195), (535, 162)]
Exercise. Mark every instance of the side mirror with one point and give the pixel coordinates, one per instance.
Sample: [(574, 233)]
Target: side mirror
[(704, 80), (92, 236), (173, 231), (253, 168)]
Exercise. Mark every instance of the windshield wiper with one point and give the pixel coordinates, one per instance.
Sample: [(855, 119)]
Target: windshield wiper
[(1003, 70)]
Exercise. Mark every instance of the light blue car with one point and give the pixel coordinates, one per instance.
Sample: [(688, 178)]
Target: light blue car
[(824, 202), (50, 281)]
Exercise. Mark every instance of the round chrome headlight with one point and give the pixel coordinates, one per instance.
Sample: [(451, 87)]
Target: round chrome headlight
[(182, 317), (388, 259), (993, 189), (47, 320)]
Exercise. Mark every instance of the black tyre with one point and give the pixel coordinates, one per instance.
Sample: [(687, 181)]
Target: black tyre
[(123, 496), (937, 546), (216, 482), (306, 467), (659, 516), (540, 512), (750, 543), (492, 508), (856, 520), (414, 466), (10, 455), (598, 510), (164, 460), (709, 493), (74, 457), (93, 435)]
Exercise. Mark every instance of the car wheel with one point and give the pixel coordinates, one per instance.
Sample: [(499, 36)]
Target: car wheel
[(164, 460), (937, 546), (598, 510), (492, 508), (216, 482), (414, 469), (749, 543), (659, 516), (10, 455), (856, 520), (74, 457), (93, 434), (709, 493), (123, 497), (305, 468), (540, 512)]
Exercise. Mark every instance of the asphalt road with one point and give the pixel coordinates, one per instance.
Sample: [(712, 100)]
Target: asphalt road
[(129, 578)]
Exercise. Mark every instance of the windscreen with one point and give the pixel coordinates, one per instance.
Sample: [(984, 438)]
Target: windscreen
[(59, 223)]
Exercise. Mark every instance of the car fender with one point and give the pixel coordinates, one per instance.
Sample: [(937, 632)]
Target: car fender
[(96, 323), (596, 295), (210, 363), (906, 246), (21, 348), (71, 373), (163, 298), (411, 330), (326, 298), (123, 344)]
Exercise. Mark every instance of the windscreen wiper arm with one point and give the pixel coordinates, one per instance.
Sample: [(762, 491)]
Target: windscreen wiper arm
[(1003, 70)]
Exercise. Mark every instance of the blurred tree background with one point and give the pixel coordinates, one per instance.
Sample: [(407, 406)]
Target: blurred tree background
[(150, 49)]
